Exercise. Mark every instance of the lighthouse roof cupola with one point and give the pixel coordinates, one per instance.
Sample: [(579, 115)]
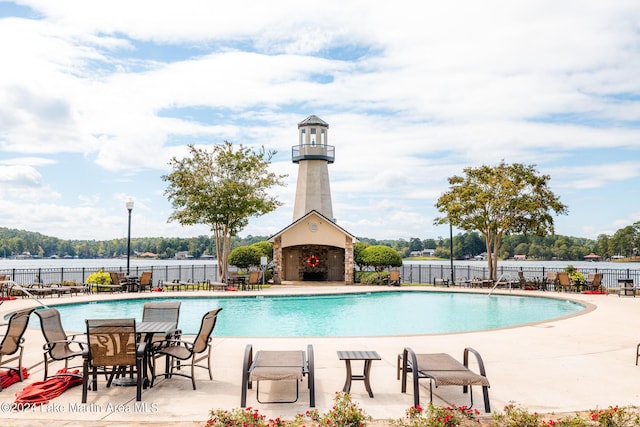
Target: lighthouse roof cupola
[(313, 133)]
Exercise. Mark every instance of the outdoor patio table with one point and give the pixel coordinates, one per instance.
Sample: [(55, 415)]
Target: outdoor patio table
[(146, 330), (368, 357), (5, 289), (626, 287), (149, 329), (132, 283)]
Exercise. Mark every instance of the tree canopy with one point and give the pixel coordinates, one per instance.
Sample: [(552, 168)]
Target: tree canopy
[(245, 257), (498, 200), (379, 257), (221, 188)]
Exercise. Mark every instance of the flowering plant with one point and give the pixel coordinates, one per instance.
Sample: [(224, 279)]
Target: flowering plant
[(246, 417), (435, 416), (515, 416), (344, 413), (576, 276), (615, 417)]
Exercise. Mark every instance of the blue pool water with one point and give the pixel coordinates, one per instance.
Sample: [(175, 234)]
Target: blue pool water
[(362, 314)]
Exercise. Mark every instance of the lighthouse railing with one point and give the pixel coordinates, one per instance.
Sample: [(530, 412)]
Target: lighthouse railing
[(313, 152)]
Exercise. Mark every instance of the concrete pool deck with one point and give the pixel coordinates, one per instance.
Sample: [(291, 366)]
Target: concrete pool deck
[(581, 362)]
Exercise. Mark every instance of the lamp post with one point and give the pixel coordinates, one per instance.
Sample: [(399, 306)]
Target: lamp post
[(453, 279), (129, 208)]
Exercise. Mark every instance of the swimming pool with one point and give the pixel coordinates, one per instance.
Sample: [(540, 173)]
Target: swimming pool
[(359, 314)]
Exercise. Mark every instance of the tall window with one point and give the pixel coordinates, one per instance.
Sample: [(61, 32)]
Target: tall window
[(313, 137), (323, 137), (302, 136)]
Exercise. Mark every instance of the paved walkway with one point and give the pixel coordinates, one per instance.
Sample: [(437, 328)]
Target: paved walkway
[(561, 366)]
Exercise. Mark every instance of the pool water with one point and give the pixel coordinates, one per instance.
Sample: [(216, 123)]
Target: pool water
[(362, 314)]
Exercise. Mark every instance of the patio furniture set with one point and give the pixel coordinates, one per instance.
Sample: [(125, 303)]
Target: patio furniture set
[(554, 280), (244, 282), (125, 351), (119, 283), (128, 352)]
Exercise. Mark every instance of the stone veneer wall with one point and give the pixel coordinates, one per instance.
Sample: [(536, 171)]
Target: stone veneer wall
[(348, 261), (277, 261), (349, 264)]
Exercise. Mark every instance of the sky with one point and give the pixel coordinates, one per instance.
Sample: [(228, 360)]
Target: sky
[(97, 96)]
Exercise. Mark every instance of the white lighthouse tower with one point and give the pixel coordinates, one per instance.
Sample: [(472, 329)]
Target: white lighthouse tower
[(313, 247), (313, 155)]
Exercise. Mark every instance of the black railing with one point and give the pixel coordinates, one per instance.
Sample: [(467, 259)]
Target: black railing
[(428, 273), (411, 273), (181, 272)]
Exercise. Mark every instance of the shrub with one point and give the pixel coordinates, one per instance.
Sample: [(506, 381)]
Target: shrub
[(380, 257), (100, 277), (615, 417), (575, 276), (245, 257), (515, 416), (344, 413), (266, 248), (246, 417), (435, 416), (373, 278)]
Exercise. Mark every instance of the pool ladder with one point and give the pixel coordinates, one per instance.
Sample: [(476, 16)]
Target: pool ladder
[(502, 276)]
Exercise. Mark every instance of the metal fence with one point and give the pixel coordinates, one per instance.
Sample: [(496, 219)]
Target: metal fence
[(411, 273), (427, 273), (187, 273)]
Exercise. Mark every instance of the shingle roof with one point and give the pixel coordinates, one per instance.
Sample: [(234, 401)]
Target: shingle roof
[(313, 120)]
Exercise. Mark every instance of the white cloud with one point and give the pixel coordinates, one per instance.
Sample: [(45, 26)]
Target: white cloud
[(411, 99)]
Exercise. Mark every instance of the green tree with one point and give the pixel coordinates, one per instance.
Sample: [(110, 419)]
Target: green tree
[(429, 244), (221, 188), (265, 248), (380, 257), (472, 244), (602, 246), (625, 241), (498, 200), (521, 249), (415, 244)]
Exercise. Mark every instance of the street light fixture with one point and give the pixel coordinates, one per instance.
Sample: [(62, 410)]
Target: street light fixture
[(129, 206), (453, 278)]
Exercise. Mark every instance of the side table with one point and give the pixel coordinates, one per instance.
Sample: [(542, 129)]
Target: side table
[(368, 357)]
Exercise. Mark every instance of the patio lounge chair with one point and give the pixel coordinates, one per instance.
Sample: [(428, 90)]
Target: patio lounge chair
[(177, 351), (58, 345), (441, 369), (13, 340), (38, 290), (112, 345), (277, 366)]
